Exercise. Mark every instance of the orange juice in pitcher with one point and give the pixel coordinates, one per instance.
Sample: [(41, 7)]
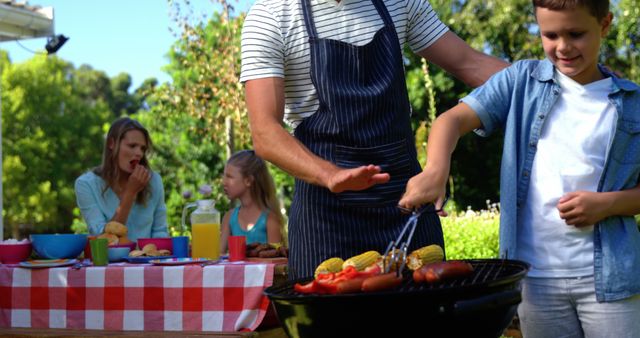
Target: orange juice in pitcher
[(205, 229), (206, 240)]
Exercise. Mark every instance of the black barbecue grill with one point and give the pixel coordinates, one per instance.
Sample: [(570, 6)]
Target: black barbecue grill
[(480, 305)]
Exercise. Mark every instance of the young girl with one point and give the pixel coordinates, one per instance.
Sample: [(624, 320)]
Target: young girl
[(258, 216)]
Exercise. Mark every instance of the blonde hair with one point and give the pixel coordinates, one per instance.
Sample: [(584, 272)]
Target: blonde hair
[(109, 170), (263, 189)]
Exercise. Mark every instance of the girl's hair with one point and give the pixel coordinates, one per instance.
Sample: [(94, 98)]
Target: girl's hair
[(109, 169), (598, 8), (263, 190)]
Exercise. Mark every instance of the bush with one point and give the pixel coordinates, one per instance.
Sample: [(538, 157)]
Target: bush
[(472, 234)]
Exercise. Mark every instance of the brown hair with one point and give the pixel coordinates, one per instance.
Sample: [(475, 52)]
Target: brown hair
[(109, 170), (263, 190), (598, 8)]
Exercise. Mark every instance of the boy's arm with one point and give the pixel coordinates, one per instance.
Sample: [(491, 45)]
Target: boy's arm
[(583, 208), (429, 185)]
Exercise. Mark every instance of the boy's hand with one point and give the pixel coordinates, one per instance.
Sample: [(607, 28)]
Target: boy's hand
[(583, 208), (422, 189)]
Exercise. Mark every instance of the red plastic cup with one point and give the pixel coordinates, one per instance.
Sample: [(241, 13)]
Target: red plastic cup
[(237, 248), (87, 248)]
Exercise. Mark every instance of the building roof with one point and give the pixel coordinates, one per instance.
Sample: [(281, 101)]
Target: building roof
[(19, 20)]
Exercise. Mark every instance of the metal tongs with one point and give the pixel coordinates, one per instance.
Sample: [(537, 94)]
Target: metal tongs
[(396, 252)]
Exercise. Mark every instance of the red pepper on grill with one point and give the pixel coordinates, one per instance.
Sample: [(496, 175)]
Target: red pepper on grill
[(310, 287), (347, 273), (346, 281)]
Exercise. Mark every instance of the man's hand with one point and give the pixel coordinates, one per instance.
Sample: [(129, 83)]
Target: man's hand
[(359, 178), (583, 208)]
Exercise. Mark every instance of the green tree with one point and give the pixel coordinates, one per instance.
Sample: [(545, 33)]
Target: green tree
[(187, 118), (199, 118), (50, 136)]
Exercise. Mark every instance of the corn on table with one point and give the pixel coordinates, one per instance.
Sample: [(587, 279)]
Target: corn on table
[(136, 297)]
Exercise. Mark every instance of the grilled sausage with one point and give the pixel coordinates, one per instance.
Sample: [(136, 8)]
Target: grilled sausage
[(441, 271), (381, 282), (269, 253), (350, 285), (253, 253), (252, 245), (418, 276), (283, 251)]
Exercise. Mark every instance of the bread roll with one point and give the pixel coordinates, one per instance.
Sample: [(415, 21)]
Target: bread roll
[(115, 228), (111, 238)]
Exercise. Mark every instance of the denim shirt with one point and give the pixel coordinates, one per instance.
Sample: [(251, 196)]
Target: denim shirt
[(519, 99)]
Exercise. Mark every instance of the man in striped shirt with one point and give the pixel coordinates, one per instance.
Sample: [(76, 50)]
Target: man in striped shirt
[(333, 71)]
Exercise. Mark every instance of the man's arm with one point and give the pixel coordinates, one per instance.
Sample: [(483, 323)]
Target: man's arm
[(265, 102), (458, 58)]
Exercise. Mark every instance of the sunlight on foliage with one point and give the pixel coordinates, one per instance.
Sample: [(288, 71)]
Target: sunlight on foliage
[(472, 234)]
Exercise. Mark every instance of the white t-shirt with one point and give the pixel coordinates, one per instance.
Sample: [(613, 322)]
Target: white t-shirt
[(572, 150), (275, 40)]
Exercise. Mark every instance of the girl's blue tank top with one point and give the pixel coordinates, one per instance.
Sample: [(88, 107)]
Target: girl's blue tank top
[(258, 233)]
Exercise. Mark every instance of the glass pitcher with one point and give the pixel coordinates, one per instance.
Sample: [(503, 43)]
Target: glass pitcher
[(205, 229)]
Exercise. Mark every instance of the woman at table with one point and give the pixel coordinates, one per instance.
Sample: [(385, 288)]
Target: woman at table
[(123, 188)]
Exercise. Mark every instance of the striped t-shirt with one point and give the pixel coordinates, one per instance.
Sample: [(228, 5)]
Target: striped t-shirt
[(275, 40)]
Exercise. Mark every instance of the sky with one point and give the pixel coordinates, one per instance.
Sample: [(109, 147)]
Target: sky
[(115, 36)]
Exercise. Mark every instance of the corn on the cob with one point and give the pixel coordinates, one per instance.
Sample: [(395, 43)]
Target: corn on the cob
[(333, 264), (361, 261), (382, 262), (428, 254)]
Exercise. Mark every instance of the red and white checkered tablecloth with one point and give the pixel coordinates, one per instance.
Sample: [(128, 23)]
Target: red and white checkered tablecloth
[(221, 297)]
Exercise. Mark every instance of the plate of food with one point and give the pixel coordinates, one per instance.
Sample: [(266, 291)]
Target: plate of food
[(148, 253), (145, 259), (181, 261), (47, 263)]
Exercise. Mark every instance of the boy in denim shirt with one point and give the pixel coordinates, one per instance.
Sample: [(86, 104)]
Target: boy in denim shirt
[(569, 175)]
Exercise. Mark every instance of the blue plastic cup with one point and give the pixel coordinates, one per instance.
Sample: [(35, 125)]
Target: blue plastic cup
[(180, 246)]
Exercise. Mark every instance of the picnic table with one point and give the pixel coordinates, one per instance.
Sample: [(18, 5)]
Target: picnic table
[(135, 299)]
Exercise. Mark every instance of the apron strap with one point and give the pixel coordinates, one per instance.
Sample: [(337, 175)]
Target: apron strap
[(383, 12), (308, 19)]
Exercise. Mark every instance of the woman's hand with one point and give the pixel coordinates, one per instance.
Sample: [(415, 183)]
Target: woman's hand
[(426, 187), (583, 208), (138, 179), (359, 178)]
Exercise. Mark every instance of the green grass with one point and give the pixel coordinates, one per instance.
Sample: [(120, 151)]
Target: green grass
[(472, 234)]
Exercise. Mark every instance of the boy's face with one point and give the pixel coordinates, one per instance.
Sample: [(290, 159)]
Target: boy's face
[(571, 40)]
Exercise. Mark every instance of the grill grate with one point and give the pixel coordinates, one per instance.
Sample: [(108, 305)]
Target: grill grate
[(484, 274), (487, 273)]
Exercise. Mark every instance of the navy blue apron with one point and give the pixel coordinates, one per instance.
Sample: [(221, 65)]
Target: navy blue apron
[(364, 118)]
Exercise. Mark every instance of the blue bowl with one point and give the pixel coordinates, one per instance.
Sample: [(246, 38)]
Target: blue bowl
[(117, 254), (58, 246)]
